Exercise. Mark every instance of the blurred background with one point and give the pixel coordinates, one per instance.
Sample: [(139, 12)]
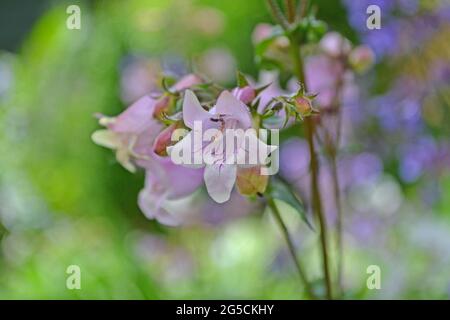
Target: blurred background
[(65, 201)]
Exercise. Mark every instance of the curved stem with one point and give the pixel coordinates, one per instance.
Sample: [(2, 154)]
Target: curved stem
[(285, 232)]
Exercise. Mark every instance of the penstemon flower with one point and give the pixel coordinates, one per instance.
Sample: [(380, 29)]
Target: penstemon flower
[(229, 115), (136, 135), (194, 132), (165, 183), (131, 133)]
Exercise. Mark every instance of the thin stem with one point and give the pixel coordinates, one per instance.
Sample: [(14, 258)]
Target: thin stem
[(337, 197), (332, 156), (337, 190), (317, 204), (290, 9), (309, 127), (301, 8), (315, 194), (287, 238), (278, 14)]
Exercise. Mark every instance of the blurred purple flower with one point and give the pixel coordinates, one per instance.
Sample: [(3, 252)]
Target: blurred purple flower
[(214, 213), (360, 169), (294, 159)]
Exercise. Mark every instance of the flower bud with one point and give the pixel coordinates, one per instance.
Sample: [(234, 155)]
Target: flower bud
[(303, 104), (186, 82), (245, 94), (335, 45), (164, 140), (250, 182), (361, 58)]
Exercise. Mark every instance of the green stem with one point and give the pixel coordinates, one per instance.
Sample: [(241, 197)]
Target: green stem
[(287, 238), (337, 190), (340, 246), (317, 205), (277, 14), (309, 131), (315, 194), (290, 9)]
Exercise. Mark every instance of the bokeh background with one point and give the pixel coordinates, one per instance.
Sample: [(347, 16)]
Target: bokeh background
[(65, 201)]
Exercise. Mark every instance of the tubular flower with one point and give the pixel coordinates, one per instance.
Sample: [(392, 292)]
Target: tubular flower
[(130, 132), (228, 120), (139, 140)]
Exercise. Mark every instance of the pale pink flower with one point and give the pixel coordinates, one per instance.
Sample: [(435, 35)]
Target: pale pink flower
[(133, 135), (335, 45), (228, 113)]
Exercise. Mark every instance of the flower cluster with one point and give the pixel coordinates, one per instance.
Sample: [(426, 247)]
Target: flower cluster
[(156, 128)]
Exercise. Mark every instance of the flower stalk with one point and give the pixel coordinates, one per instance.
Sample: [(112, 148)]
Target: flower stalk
[(309, 133), (290, 245)]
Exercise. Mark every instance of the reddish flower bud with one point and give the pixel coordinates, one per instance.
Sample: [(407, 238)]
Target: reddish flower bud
[(303, 104), (164, 140)]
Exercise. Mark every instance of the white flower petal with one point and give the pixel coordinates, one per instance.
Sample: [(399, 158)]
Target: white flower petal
[(106, 138), (123, 157), (151, 204), (219, 181), (230, 105), (193, 110), (253, 151)]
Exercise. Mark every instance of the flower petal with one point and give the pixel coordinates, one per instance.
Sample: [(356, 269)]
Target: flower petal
[(186, 152), (151, 205), (179, 180), (186, 82), (219, 180), (135, 118), (230, 105), (106, 138), (193, 110), (123, 157), (253, 151)]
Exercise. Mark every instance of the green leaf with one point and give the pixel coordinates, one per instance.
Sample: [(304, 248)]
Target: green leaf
[(167, 82), (279, 190), (268, 64), (309, 30), (262, 88), (241, 79)]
